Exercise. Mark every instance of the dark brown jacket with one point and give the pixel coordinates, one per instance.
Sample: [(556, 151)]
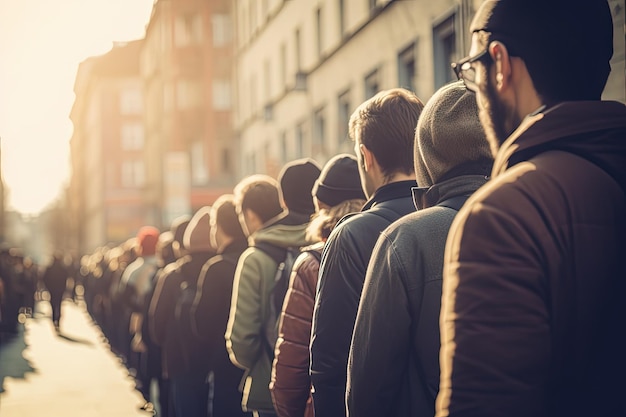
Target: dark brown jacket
[(291, 384), (533, 312)]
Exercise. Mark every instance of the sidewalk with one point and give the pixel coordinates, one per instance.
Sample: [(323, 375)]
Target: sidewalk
[(72, 374)]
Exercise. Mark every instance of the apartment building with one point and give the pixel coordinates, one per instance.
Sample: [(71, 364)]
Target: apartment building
[(186, 70), (303, 66), (108, 172)]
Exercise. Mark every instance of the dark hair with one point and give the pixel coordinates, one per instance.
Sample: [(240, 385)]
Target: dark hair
[(224, 213), (386, 123), (258, 193)]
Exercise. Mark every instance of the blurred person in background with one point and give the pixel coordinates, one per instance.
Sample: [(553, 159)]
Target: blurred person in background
[(55, 279), (135, 285), (211, 306), (170, 304)]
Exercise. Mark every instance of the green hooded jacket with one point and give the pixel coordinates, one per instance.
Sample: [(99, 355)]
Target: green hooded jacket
[(254, 278)]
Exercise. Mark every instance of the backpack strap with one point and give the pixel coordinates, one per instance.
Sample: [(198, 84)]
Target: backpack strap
[(277, 253), (315, 253), (384, 212)]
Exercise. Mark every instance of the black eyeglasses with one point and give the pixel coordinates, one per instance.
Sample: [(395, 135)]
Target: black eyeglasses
[(464, 69)]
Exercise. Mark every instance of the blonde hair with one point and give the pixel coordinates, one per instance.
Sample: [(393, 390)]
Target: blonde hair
[(325, 220)]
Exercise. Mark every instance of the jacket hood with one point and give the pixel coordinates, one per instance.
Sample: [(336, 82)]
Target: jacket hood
[(281, 235), (594, 130), (197, 236)]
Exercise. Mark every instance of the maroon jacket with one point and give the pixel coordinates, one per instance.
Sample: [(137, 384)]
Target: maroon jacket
[(533, 311), (290, 384)]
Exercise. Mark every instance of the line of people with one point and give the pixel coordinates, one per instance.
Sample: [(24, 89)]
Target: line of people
[(464, 261)]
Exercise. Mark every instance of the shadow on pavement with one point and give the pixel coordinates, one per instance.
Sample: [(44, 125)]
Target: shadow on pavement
[(74, 339), (12, 361)]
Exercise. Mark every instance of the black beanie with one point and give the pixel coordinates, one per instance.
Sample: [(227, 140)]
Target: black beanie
[(339, 181), (296, 181), (565, 44)]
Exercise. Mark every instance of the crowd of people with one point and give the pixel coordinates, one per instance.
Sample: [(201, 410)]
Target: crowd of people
[(464, 261)]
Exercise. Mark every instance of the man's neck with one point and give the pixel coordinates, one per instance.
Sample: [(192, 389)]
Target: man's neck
[(397, 177)]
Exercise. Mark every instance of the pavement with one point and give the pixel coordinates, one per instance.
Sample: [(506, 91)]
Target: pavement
[(69, 374)]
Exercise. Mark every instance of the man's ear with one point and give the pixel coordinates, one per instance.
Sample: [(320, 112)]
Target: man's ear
[(502, 64), (367, 158)]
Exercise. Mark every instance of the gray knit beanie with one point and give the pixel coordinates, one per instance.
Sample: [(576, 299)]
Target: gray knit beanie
[(448, 135)]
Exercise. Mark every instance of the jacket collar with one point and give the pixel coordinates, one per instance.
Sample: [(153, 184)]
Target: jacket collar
[(425, 197), (546, 126), (391, 191)]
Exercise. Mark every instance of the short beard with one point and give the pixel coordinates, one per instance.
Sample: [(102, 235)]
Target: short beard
[(497, 118)]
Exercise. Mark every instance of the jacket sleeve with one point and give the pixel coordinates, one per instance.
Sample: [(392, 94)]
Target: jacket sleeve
[(291, 385), (337, 300), (381, 340), (209, 312), (244, 328), (495, 340), (162, 305)]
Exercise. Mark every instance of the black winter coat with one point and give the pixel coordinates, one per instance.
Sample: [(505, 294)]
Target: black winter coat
[(342, 273)]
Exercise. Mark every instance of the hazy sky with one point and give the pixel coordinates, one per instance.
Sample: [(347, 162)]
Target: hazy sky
[(41, 44)]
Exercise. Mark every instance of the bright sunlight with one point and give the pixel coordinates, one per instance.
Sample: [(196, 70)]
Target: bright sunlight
[(41, 44)]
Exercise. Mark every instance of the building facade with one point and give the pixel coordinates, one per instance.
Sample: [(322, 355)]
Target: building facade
[(186, 68), (107, 149), (303, 66)]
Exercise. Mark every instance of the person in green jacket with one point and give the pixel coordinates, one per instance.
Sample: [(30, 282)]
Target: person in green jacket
[(258, 204)]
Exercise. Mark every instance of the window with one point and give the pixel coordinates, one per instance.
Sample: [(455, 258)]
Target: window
[(187, 29), (319, 131), (267, 81), (406, 68), (343, 116), (283, 64), (133, 174), (342, 17), (253, 103), (222, 29), (131, 102), (226, 161), (319, 27), (444, 49), (283, 147), (221, 95), (199, 172), (132, 136), (299, 140), (298, 47), (188, 94), (372, 84), (253, 16)]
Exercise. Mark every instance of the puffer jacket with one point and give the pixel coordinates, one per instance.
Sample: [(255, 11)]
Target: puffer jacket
[(533, 305), (254, 280), (291, 384)]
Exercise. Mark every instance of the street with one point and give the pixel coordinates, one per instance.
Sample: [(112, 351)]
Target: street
[(72, 373)]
